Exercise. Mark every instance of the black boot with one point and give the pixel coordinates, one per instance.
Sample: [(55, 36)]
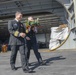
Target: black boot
[(41, 62), (27, 70), (13, 68)]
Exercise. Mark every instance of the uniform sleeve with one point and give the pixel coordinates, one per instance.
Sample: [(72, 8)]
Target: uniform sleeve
[(11, 29), (24, 27)]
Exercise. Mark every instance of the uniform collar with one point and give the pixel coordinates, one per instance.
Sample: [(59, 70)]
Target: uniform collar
[(16, 20)]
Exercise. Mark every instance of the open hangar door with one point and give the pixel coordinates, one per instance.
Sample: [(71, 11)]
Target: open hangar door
[(51, 13)]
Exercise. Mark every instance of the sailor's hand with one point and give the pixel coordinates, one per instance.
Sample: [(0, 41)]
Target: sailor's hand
[(27, 38), (22, 35)]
